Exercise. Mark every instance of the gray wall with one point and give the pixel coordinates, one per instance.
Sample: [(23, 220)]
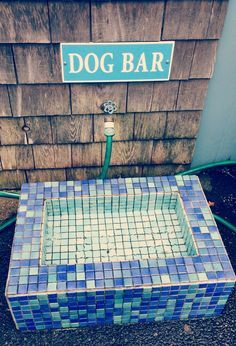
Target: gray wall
[(217, 135)]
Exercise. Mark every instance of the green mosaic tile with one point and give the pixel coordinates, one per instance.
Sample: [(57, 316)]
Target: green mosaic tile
[(123, 229)]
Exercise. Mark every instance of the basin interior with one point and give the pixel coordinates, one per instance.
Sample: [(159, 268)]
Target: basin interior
[(115, 228)]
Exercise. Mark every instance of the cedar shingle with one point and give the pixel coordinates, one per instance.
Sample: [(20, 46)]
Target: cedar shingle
[(169, 169), (204, 59), (12, 179), (17, 157), (149, 125), (40, 130), (86, 155), (130, 152), (24, 21), (46, 175), (39, 99), (192, 94), (124, 171), (88, 98), (123, 123), (52, 156), (5, 109), (182, 124), (11, 131), (182, 59), (152, 96), (173, 151), (140, 97), (164, 96), (216, 23), (72, 129), (69, 21), (186, 19), (7, 70), (38, 63), (82, 173), (127, 21)]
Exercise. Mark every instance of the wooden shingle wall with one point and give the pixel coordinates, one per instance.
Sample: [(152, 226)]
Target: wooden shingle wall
[(156, 122)]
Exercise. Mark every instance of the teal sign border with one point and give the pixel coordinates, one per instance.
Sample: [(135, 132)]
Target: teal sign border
[(119, 55)]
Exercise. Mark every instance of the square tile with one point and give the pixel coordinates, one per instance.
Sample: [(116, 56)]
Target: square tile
[(116, 251)]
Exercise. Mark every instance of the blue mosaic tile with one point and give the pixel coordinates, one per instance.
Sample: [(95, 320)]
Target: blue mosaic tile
[(116, 251)]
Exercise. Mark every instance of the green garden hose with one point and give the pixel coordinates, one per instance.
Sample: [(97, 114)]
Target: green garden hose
[(225, 223), (9, 194), (7, 223), (109, 132), (107, 157), (208, 165)]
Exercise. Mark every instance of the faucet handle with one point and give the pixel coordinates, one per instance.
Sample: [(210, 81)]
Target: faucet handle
[(109, 107)]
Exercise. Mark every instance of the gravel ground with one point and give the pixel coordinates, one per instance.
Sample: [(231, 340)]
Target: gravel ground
[(220, 188)]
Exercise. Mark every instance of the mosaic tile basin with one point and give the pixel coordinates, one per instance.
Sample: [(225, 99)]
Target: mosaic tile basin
[(115, 228), (116, 251)]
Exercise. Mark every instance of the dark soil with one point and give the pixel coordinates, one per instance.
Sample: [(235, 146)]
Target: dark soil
[(220, 189), (8, 207)]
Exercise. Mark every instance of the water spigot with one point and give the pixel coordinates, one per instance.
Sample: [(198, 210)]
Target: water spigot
[(109, 107)]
